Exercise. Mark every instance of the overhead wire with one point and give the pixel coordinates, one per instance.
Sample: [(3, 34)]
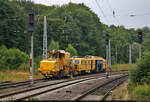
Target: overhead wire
[(114, 13), (98, 5), (133, 15), (145, 14)]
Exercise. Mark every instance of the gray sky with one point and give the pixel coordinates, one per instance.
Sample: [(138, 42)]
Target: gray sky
[(123, 9)]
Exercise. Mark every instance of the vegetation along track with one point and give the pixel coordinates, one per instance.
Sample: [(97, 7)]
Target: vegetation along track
[(103, 90), (30, 92)]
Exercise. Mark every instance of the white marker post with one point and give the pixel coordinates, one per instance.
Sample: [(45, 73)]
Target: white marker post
[(31, 60)]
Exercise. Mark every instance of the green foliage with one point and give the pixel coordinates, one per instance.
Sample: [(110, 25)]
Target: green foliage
[(73, 24), (135, 49), (37, 64), (53, 45), (142, 92), (12, 26), (72, 50), (13, 59), (138, 92), (138, 86), (3, 50), (141, 74), (33, 99)]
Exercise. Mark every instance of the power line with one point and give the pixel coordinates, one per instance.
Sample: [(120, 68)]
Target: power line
[(146, 14), (102, 11), (109, 5), (133, 15), (113, 12)]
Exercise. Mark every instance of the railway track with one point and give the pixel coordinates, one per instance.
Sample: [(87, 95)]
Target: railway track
[(31, 92), (44, 88), (16, 84), (9, 84), (101, 92), (5, 83)]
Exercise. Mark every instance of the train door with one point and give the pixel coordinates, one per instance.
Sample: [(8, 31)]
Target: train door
[(99, 66)]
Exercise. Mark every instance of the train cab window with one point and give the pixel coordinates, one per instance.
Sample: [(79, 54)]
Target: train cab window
[(60, 56), (100, 61), (76, 61), (54, 56)]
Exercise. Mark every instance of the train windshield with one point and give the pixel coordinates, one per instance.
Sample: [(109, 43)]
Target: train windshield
[(54, 55), (99, 61)]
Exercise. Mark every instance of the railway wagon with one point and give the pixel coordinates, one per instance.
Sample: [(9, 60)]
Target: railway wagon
[(59, 64), (88, 64), (76, 65), (100, 64), (56, 64)]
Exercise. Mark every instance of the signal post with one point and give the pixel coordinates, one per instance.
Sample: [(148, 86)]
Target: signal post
[(108, 54), (107, 47), (30, 30), (140, 43)]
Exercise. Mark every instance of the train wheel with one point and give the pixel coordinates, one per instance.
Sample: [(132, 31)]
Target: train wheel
[(46, 76), (60, 75)]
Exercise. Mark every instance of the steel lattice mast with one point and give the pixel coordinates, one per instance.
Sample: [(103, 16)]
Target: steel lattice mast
[(45, 39)]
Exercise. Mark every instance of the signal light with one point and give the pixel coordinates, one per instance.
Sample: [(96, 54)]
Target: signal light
[(140, 37), (107, 39), (31, 22)]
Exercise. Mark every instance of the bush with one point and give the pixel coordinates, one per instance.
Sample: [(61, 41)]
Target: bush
[(138, 86), (139, 92), (131, 86), (142, 92), (141, 74), (13, 59)]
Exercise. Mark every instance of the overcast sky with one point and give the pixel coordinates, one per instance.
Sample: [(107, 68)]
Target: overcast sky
[(122, 8)]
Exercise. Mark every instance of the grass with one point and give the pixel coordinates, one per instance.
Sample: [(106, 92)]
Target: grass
[(17, 75), (33, 99), (139, 92), (122, 90), (118, 67), (132, 91), (142, 92)]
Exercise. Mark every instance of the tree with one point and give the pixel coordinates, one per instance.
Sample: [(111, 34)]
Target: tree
[(3, 50), (72, 50), (53, 45)]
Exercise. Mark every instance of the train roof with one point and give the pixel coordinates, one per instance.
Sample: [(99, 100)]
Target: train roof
[(58, 51)]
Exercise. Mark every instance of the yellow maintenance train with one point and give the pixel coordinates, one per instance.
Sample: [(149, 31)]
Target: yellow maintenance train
[(59, 64)]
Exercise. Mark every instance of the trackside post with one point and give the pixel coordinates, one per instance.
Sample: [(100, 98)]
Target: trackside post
[(31, 29)]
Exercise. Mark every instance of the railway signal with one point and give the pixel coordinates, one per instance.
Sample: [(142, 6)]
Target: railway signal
[(140, 37), (107, 39), (31, 29), (140, 43), (31, 22), (108, 50)]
